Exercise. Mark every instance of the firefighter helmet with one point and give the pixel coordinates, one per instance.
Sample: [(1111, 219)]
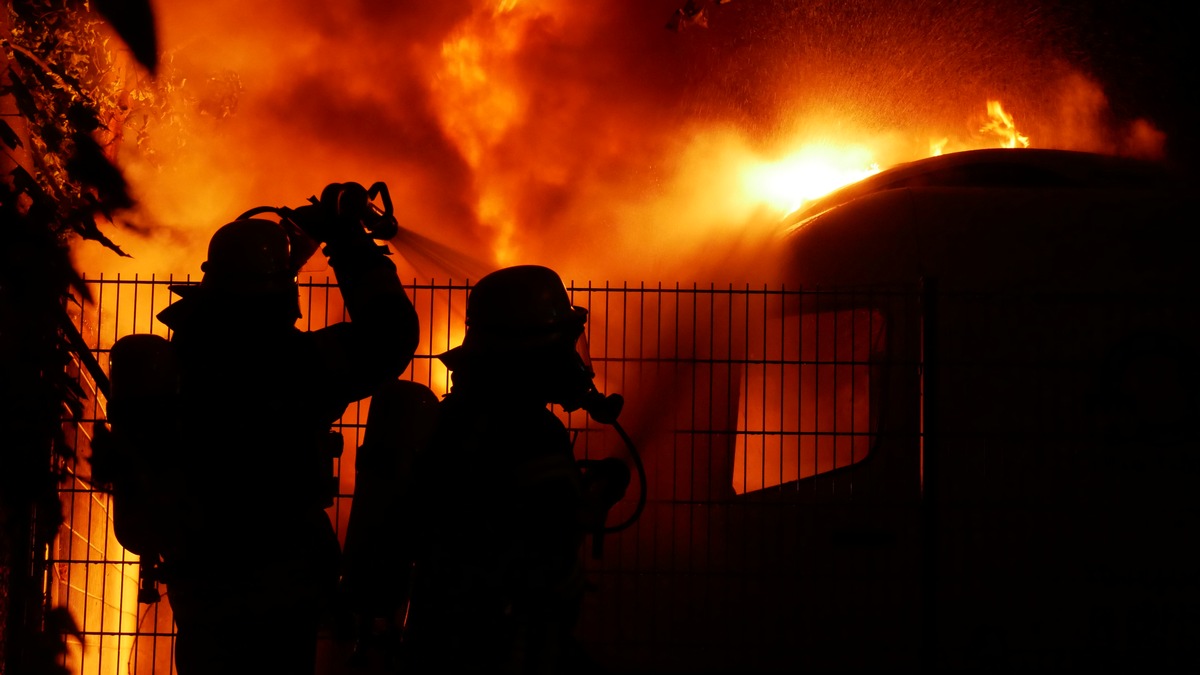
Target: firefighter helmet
[(249, 256), (515, 309)]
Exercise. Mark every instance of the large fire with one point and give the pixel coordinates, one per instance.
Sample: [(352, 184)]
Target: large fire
[(591, 139)]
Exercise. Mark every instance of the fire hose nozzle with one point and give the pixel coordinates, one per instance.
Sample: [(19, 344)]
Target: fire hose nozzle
[(353, 202), (340, 205)]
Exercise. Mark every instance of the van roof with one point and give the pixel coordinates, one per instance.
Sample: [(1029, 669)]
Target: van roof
[(1007, 168), (1001, 220)]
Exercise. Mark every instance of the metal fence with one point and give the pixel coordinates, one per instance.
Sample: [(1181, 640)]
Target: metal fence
[(729, 392)]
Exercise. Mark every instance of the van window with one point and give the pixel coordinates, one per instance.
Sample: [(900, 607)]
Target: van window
[(805, 400)]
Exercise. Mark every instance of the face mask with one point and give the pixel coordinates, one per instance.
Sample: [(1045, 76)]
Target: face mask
[(574, 388)]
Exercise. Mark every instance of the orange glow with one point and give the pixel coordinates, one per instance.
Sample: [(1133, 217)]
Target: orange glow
[(592, 140), (1001, 123), (810, 173), (477, 106), (805, 398), (816, 169), (495, 213)]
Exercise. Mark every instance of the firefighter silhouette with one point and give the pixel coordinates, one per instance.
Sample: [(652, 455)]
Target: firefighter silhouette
[(378, 552), (250, 559), (500, 504)]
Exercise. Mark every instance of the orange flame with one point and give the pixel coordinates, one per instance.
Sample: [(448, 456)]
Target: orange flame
[(1001, 123), (547, 131), (811, 172), (816, 169)]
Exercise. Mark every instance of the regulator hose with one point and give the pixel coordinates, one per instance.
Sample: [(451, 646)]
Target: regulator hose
[(641, 474)]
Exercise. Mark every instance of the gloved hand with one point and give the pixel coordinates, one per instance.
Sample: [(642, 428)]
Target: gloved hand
[(605, 481), (347, 216), (604, 484)]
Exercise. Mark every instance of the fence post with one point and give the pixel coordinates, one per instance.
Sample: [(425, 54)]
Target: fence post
[(929, 471)]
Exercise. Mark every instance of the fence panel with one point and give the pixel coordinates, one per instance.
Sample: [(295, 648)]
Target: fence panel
[(728, 393)]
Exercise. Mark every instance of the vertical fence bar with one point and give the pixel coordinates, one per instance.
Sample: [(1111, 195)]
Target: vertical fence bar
[(929, 465)]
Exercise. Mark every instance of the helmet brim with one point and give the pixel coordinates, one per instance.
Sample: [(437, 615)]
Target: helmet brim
[(455, 358), (186, 290)]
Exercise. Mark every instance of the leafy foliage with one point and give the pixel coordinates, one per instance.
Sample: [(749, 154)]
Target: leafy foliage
[(59, 178), (61, 77), (161, 114)]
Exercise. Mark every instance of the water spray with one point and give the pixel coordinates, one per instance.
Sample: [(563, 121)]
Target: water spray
[(357, 203)]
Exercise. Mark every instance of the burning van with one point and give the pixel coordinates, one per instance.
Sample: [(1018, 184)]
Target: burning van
[(982, 449)]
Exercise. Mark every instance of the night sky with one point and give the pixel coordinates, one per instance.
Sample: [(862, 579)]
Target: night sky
[(1145, 54)]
